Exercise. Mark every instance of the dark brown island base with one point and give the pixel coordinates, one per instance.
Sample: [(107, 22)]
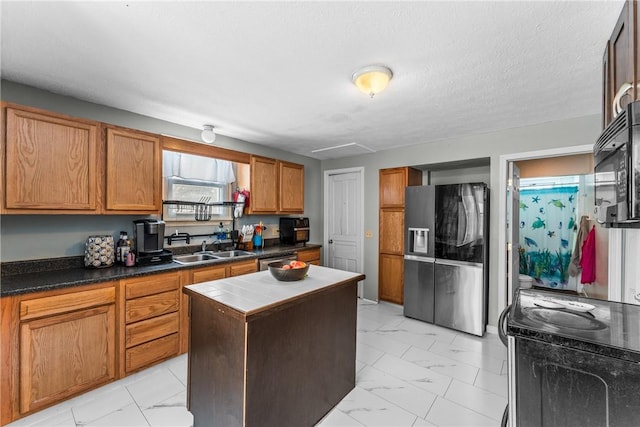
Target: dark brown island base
[(265, 353)]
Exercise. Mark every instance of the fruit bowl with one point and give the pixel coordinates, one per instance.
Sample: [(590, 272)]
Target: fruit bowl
[(295, 272)]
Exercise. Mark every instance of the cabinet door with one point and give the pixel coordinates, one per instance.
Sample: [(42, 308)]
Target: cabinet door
[(264, 185), (621, 60), (390, 278), (51, 163), (392, 183), (392, 231), (133, 175), (65, 354), (291, 187)]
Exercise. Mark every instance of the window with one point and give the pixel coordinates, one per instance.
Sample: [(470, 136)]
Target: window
[(186, 190), (194, 184)]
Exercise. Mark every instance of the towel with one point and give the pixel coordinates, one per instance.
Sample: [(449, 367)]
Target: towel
[(583, 231), (588, 259)]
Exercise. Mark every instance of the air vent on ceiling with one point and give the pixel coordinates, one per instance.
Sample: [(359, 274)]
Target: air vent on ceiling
[(343, 150)]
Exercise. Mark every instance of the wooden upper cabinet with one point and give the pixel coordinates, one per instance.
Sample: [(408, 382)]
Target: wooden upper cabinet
[(620, 64), (51, 163), (264, 185), (276, 186), (393, 182), (133, 172), (291, 198)]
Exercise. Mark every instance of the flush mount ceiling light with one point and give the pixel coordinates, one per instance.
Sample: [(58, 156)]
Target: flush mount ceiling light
[(208, 135), (372, 79)]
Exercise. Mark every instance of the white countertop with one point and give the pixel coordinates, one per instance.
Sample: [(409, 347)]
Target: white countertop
[(252, 292)]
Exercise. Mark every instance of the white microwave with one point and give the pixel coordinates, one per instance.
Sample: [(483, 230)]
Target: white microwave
[(617, 171)]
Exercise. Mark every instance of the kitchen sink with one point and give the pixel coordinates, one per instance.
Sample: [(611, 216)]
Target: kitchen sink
[(208, 256), (193, 258), (230, 254)]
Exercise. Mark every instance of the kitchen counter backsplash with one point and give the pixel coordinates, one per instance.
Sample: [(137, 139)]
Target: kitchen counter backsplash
[(21, 277), (39, 265)]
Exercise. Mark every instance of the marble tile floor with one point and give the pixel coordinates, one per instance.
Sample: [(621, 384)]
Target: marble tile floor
[(409, 373)]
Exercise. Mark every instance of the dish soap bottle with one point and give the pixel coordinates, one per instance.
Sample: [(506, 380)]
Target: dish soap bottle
[(221, 232)]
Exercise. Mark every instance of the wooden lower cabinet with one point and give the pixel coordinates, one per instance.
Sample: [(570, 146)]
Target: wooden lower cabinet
[(55, 345), (51, 347), (390, 278), (58, 344), (310, 256), (242, 267), (152, 319), (152, 352)]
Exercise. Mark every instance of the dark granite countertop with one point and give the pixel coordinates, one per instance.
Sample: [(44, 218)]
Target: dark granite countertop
[(43, 275), (610, 328)]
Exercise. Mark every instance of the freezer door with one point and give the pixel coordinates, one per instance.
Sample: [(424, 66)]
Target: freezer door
[(460, 297), (419, 213), (418, 288)]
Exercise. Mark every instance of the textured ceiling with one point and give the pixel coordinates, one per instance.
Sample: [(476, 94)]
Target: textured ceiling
[(279, 73)]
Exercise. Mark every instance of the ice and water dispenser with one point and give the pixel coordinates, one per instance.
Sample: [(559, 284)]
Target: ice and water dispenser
[(418, 240)]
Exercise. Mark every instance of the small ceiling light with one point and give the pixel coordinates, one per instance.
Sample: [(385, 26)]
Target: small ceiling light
[(208, 135), (372, 79)]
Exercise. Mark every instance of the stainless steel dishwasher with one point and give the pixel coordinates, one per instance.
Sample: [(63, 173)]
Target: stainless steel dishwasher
[(263, 263)]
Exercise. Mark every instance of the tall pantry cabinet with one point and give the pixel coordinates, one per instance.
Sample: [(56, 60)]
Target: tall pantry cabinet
[(391, 233)]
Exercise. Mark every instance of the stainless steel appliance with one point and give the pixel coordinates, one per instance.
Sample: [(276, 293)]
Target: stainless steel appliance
[(617, 170), (149, 238), (573, 361), (446, 255), (294, 230)]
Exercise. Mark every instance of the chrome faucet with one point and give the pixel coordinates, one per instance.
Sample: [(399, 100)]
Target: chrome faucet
[(204, 245)]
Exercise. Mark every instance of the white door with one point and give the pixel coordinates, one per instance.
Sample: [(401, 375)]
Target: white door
[(513, 230), (343, 220)]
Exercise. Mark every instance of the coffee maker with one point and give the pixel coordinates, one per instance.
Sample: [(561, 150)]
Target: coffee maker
[(149, 237)]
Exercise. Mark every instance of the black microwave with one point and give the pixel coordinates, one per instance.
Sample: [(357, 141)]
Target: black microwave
[(617, 170), (294, 230)]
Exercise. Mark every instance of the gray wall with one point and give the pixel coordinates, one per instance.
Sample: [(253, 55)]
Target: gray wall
[(573, 132), (25, 237)]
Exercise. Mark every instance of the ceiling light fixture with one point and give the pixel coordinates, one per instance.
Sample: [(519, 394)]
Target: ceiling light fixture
[(208, 135), (372, 79)]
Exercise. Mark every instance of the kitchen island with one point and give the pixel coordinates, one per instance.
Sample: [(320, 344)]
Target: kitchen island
[(270, 353)]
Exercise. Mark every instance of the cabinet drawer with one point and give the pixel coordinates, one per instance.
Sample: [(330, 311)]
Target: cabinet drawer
[(240, 268), (309, 255), (151, 306), (153, 351), (150, 329), (205, 275), (149, 285), (58, 304)]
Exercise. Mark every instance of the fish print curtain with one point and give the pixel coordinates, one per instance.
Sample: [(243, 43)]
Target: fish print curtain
[(547, 234)]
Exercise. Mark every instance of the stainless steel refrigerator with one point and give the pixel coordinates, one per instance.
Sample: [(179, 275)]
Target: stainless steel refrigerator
[(446, 255)]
